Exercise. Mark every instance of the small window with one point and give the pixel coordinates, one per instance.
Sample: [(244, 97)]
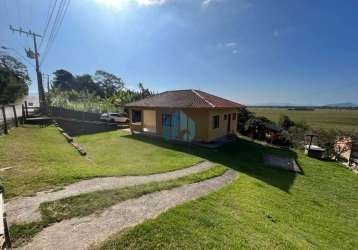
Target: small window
[(167, 120), (136, 116), (216, 121), (234, 116), (225, 117)]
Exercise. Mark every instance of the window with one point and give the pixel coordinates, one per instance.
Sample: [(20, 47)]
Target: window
[(167, 120), (216, 121), (234, 116), (136, 116), (225, 117)]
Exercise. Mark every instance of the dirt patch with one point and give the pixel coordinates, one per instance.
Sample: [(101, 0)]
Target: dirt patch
[(282, 162)]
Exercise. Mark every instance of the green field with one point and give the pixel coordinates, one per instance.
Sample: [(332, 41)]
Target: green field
[(341, 119)]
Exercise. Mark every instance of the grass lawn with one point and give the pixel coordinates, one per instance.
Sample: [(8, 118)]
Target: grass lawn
[(41, 159), (265, 208), (346, 120), (95, 202)]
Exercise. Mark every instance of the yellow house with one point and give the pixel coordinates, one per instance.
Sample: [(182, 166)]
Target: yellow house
[(187, 115)]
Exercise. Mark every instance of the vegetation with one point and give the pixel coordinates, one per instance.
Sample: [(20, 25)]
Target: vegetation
[(103, 92), (340, 119), (14, 79), (264, 209), (285, 122), (41, 158), (89, 203)]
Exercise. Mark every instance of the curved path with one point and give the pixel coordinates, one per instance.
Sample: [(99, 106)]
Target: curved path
[(80, 233), (25, 209)]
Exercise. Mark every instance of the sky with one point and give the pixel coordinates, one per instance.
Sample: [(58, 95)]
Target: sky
[(298, 52)]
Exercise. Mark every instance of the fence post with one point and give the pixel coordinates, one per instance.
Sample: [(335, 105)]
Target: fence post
[(5, 122), (5, 228), (15, 116), (23, 114), (26, 110)]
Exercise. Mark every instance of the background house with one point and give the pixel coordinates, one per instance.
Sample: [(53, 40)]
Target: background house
[(187, 115)]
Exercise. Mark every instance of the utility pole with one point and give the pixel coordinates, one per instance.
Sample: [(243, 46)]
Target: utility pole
[(38, 72), (48, 81), (48, 88)]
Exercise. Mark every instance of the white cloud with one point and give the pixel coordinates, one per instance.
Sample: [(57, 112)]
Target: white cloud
[(151, 2), (231, 44), (122, 4), (206, 3)]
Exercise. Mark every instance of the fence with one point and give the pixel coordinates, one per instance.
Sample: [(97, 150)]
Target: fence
[(74, 114), (10, 116), (77, 123)]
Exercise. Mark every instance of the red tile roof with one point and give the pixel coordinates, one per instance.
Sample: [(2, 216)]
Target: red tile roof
[(184, 99)]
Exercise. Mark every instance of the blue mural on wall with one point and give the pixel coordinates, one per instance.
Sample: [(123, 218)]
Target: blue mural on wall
[(178, 126)]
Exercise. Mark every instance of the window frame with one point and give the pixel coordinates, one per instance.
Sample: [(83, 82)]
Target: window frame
[(215, 122)]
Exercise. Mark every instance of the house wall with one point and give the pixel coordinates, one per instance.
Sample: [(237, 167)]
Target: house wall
[(200, 119), (221, 131), (149, 120)]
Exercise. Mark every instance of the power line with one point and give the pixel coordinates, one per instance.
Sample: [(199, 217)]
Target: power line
[(19, 54), (51, 9), (53, 28), (56, 26), (36, 56)]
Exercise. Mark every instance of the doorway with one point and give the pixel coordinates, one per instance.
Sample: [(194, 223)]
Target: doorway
[(228, 123)]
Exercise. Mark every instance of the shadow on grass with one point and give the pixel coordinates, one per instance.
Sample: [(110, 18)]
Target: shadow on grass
[(241, 155)]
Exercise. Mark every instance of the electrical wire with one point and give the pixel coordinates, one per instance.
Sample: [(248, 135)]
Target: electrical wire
[(56, 27), (50, 11), (53, 28)]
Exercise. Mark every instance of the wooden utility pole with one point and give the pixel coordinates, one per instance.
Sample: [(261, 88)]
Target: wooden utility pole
[(38, 72)]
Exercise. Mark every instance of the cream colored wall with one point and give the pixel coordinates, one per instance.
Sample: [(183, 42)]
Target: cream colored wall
[(149, 121), (203, 120), (214, 134), (197, 115)]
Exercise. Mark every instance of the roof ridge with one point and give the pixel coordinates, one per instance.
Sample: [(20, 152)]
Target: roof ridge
[(200, 96)]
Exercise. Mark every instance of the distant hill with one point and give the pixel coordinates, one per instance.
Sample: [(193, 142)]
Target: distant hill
[(343, 105)]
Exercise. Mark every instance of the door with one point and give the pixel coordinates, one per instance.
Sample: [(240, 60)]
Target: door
[(149, 121), (228, 123)]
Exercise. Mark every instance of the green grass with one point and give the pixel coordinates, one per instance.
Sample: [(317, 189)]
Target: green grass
[(95, 202), (346, 120), (41, 159), (264, 209)]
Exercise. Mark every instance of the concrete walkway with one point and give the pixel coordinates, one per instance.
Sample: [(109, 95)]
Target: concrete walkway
[(80, 233), (25, 209)]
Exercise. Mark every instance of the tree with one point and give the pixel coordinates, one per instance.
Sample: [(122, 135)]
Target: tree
[(109, 84), (14, 79), (85, 83), (143, 91), (285, 122), (63, 80), (243, 116)]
